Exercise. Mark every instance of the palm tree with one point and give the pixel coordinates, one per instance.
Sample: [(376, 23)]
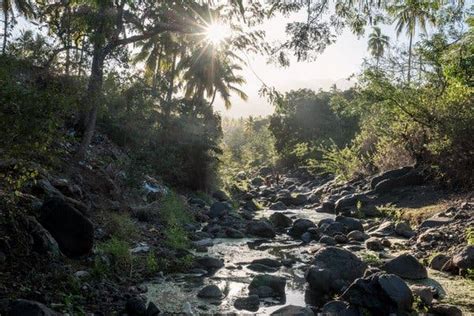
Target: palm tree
[(377, 43), (408, 15), (208, 72), (24, 7)]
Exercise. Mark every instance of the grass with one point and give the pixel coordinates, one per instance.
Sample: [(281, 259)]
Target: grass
[(121, 227), (371, 259), (470, 235), (174, 214), (412, 215), (114, 256)]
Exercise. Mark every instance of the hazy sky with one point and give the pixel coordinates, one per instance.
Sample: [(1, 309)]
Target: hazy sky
[(334, 65)]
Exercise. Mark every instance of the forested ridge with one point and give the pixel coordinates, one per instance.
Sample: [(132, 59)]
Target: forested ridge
[(124, 192)]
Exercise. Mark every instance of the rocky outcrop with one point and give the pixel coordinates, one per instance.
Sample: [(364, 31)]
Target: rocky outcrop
[(73, 232)]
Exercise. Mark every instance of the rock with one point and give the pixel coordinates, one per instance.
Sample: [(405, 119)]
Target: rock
[(465, 259), (209, 264), (425, 293), (404, 230), (444, 310), (333, 269), (334, 228), (341, 239), (326, 207), (265, 171), (197, 201), (292, 310), (299, 227), (350, 223), (233, 233), (30, 308), (268, 262), (374, 244), (306, 237), (210, 291), (385, 229), (278, 206), (152, 310), (258, 267), (250, 206), (266, 285), (258, 181), (350, 201), (327, 240), (406, 266), (380, 294), (357, 235), (299, 199), (81, 274), (391, 174), (280, 221), (43, 242), (408, 179), (439, 261), (250, 303), (135, 306), (220, 195), (261, 228), (338, 308), (73, 232), (437, 221), (219, 209)]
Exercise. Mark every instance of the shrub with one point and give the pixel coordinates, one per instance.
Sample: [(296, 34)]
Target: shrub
[(120, 226), (113, 256), (175, 215)]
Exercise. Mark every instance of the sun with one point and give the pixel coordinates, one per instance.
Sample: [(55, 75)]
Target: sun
[(217, 33)]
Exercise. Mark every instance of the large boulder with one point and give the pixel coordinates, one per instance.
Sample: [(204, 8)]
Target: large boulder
[(380, 294), (334, 228), (210, 291), (412, 177), (465, 259), (219, 209), (43, 242), (350, 201), (278, 206), (300, 226), (261, 228), (292, 310), (406, 266), (73, 232), (250, 303), (391, 174), (439, 261), (334, 269), (404, 229), (209, 264), (220, 195), (30, 308), (437, 220), (280, 221), (266, 285), (350, 223)]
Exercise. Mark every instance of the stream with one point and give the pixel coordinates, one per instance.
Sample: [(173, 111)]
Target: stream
[(178, 293)]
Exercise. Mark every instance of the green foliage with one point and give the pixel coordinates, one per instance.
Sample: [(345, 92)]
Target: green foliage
[(470, 235), (175, 215), (34, 105), (151, 263), (113, 256), (371, 259), (306, 120), (120, 226)]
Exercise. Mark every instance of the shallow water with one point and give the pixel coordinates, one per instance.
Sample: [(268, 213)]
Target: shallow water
[(178, 293)]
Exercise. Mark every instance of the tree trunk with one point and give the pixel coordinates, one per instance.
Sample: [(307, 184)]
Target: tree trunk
[(409, 57), (213, 97), (92, 97), (68, 39), (5, 32), (157, 72), (172, 75)]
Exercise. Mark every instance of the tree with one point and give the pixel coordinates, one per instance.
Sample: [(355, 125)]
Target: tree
[(24, 7), (377, 43), (408, 15)]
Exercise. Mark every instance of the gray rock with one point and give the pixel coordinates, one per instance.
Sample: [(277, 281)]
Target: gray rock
[(341, 239), (250, 206), (406, 266), (258, 181), (326, 207), (437, 221), (357, 235), (350, 223), (266, 285), (292, 310), (209, 264), (268, 262), (306, 237), (439, 261), (73, 232), (385, 229), (380, 294), (300, 226), (258, 267), (210, 291), (350, 201), (332, 229), (327, 240), (219, 209), (261, 228), (425, 293), (43, 242), (30, 308), (333, 269), (374, 244), (391, 174), (250, 303), (152, 310), (408, 179), (465, 259), (280, 221), (220, 195), (278, 206), (404, 230), (444, 310), (135, 306), (233, 233), (338, 308)]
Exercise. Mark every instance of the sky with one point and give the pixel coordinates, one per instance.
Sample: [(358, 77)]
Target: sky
[(337, 63)]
